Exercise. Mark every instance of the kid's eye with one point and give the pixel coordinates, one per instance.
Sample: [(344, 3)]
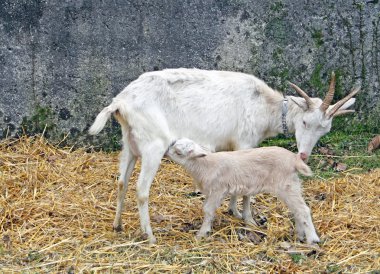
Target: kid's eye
[(304, 123)]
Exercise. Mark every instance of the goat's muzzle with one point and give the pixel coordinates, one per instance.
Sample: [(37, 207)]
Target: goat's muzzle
[(304, 156)]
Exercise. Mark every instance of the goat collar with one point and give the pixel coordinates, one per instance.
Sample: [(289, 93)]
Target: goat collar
[(285, 128)]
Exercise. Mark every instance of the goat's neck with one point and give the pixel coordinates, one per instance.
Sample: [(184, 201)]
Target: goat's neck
[(197, 168), (292, 114)]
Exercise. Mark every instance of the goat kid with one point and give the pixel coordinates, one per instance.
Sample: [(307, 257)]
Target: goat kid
[(243, 173), (219, 109)]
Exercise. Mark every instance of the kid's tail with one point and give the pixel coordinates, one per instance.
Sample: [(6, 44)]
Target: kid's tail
[(302, 167)]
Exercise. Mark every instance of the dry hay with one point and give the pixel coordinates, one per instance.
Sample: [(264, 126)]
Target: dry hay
[(57, 208)]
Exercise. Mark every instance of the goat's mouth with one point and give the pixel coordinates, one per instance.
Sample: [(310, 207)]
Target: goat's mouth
[(170, 145)]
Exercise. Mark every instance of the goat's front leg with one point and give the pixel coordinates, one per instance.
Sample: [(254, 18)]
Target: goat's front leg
[(232, 209), (209, 207), (150, 162), (197, 187)]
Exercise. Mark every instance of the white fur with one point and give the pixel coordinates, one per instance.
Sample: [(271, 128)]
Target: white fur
[(218, 109), (245, 173)]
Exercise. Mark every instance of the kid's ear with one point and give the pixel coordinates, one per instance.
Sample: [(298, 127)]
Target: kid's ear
[(197, 154)]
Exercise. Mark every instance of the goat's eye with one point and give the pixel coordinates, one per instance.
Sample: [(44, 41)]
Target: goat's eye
[(304, 123)]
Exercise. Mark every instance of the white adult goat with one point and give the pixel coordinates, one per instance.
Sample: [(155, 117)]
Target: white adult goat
[(218, 109), (246, 172)]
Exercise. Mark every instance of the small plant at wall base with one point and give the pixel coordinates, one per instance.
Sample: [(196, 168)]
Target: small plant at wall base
[(40, 122)]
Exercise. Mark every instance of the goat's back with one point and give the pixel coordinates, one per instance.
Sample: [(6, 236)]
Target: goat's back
[(265, 161), (246, 172), (194, 103)]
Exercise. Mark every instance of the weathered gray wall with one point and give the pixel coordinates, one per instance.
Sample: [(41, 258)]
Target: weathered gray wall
[(62, 61)]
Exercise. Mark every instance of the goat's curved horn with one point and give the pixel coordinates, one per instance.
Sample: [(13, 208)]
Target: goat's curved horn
[(303, 94), (330, 94), (341, 102)]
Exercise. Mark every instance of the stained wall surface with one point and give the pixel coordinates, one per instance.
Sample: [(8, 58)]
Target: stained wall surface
[(61, 62)]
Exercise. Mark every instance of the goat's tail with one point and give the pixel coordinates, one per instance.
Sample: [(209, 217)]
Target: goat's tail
[(102, 118), (302, 167)]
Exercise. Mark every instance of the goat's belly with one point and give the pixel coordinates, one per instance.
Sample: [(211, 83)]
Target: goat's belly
[(210, 139), (239, 189), (228, 145)]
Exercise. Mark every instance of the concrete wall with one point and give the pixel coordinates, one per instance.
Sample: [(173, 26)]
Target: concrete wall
[(61, 62)]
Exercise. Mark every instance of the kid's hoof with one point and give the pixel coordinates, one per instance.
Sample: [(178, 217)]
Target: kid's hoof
[(236, 214), (201, 236), (118, 228)]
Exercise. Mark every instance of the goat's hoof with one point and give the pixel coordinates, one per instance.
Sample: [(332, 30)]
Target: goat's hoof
[(251, 222), (118, 228), (194, 194), (313, 241), (235, 214), (199, 237), (203, 235), (151, 239)]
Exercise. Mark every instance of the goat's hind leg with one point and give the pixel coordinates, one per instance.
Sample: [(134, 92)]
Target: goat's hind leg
[(150, 162), (247, 214), (304, 223), (127, 164), (292, 196)]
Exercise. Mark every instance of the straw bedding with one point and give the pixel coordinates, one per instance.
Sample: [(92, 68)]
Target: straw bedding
[(57, 208)]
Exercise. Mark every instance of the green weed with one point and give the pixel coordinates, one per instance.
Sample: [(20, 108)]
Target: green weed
[(346, 151)]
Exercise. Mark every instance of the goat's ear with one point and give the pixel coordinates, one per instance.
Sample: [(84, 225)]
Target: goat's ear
[(197, 154), (202, 154), (346, 105), (300, 102)]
